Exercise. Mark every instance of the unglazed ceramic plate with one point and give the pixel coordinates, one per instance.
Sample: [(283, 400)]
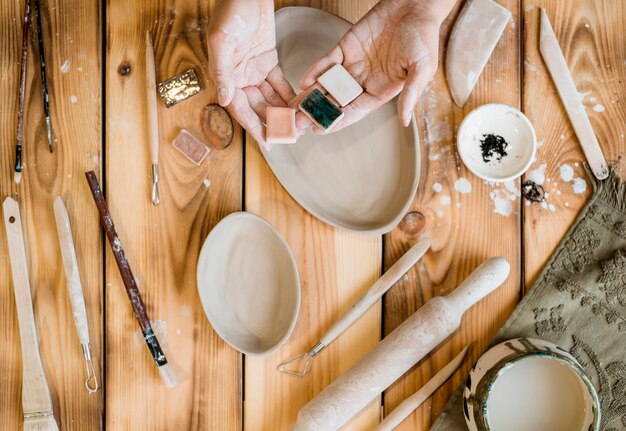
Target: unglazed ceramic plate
[(361, 178), (249, 284)]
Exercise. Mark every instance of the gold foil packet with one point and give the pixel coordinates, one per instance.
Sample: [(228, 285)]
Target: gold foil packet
[(179, 88)]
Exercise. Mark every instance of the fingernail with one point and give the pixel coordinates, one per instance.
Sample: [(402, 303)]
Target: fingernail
[(222, 95)]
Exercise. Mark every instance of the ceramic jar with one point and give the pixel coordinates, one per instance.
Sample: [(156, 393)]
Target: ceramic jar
[(532, 383)]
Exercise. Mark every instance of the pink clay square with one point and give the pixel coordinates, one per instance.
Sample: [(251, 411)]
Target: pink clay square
[(280, 125)]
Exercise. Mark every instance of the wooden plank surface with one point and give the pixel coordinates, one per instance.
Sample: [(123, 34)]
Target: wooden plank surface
[(163, 242), (74, 81), (466, 227), (336, 268), (592, 39)]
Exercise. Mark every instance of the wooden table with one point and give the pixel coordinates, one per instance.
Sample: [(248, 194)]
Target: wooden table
[(95, 57)]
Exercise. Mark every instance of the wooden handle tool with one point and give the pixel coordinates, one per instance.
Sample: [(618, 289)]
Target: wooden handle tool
[(399, 351), (19, 163), (378, 289), (153, 118), (75, 289), (409, 405), (36, 400), (553, 57)]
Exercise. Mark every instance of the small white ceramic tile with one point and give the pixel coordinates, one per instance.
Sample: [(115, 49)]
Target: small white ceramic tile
[(340, 84)]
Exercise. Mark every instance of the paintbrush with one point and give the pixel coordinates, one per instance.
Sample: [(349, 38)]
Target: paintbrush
[(165, 370), (22, 96), (36, 399), (153, 117), (44, 83), (75, 289)]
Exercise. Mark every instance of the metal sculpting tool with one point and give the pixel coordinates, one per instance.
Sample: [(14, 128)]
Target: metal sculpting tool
[(75, 289), (17, 177), (553, 57), (378, 289), (165, 370), (153, 118), (42, 63), (36, 399)]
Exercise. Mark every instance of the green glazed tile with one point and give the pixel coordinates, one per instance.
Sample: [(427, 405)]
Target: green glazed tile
[(320, 109)]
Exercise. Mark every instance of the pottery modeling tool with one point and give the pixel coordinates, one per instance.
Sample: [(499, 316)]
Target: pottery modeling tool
[(36, 400), (165, 370), (399, 351), (190, 147), (340, 84), (17, 177), (408, 406), (44, 82), (153, 118), (75, 289), (553, 57), (378, 289), (180, 87), (472, 40), (321, 110), (280, 125)]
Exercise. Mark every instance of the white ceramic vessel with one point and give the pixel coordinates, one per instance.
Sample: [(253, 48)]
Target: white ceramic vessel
[(529, 384), (362, 178), (249, 284)]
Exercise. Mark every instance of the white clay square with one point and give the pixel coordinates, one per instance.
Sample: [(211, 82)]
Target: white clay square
[(340, 84)]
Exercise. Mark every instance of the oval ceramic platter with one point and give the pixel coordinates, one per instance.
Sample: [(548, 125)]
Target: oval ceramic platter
[(249, 284), (362, 178)]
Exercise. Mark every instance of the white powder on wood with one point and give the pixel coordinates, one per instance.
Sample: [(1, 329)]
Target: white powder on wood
[(462, 185)]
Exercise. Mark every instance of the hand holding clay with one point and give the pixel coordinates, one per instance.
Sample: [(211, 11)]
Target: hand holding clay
[(243, 62), (392, 49)]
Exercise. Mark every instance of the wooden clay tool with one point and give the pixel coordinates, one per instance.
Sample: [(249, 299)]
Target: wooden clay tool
[(553, 57), (409, 405), (36, 400), (472, 40), (378, 289), (75, 289), (42, 65), (399, 351), (17, 177), (153, 118), (165, 370)]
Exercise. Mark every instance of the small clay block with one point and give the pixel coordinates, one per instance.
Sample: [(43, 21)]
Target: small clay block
[(179, 88), (191, 147), (321, 110), (340, 84), (280, 125), (217, 126)]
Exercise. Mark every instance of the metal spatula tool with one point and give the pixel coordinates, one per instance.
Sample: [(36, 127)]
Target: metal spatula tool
[(378, 289)]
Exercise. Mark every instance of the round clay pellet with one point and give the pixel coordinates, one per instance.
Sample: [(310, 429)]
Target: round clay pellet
[(413, 223), (217, 126)]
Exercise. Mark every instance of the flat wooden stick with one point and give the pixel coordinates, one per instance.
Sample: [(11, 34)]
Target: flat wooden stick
[(36, 400), (17, 177), (153, 117), (553, 57)]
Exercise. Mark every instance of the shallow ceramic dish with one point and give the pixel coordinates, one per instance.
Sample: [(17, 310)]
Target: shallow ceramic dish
[(507, 122), (361, 178), (249, 284), (528, 384)]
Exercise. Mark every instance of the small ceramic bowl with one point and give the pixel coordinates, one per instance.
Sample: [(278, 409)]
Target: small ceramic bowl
[(249, 284), (527, 384), (506, 122)]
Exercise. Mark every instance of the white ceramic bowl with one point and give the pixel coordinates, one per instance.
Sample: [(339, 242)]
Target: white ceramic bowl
[(249, 284), (513, 126)]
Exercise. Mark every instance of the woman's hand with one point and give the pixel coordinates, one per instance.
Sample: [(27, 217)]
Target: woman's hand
[(392, 49), (243, 62)]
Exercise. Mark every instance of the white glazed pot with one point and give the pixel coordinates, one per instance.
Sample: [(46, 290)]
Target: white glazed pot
[(526, 383)]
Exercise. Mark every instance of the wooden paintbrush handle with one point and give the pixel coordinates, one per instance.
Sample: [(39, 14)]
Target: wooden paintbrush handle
[(151, 102), (72, 275), (35, 391), (378, 289)]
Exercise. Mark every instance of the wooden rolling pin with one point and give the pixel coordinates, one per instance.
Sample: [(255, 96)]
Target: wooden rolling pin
[(399, 351)]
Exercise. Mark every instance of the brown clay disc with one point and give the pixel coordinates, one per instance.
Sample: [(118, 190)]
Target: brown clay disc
[(413, 223), (217, 126)]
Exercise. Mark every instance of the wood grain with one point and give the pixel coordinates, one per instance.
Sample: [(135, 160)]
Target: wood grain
[(71, 33), (336, 268), (162, 243), (464, 227), (591, 37)]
